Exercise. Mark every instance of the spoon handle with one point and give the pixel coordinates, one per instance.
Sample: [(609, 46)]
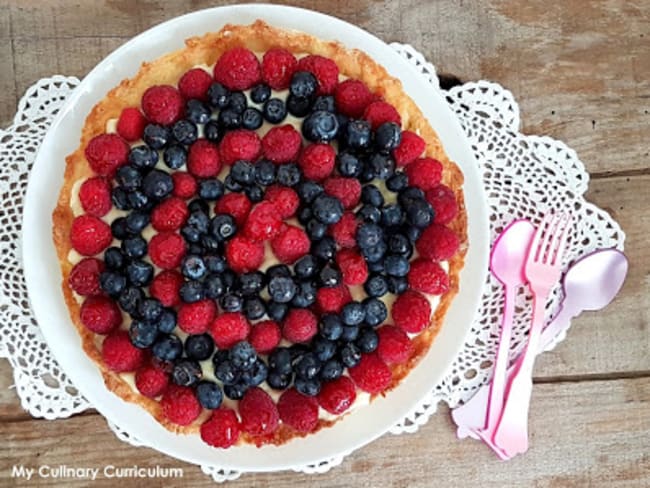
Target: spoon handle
[(559, 324)]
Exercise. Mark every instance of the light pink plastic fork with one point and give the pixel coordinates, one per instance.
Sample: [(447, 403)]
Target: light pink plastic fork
[(543, 271)]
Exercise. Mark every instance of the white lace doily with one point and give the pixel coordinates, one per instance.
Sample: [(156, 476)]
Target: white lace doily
[(524, 176)]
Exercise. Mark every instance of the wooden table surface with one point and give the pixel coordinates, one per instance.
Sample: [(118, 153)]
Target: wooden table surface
[(580, 71)]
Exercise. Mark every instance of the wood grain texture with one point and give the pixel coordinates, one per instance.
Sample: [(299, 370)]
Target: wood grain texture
[(580, 72)]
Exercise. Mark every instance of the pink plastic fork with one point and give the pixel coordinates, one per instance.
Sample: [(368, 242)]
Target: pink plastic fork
[(543, 271)]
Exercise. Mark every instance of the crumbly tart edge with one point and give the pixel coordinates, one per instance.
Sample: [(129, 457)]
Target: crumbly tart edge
[(206, 49)]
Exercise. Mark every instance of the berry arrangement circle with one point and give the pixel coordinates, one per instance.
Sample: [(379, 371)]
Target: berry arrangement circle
[(259, 242)]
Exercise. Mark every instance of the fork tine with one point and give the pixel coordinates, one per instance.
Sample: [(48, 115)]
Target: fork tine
[(555, 234), (548, 234), (535, 245), (563, 240)]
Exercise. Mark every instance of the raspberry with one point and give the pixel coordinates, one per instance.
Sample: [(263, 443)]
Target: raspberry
[(411, 311), (338, 395), (84, 277), (444, 204), (352, 97), (278, 65), (228, 329), (180, 405), (437, 243), (238, 69), (106, 153), (380, 112), (298, 411), (119, 354), (317, 161), (166, 250), (221, 429), (185, 185), (240, 145), (394, 347), (325, 70), (95, 196), (292, 243), (425, 173), (203, 159), (331, 300), (162, 104), (410, 148), (284, 199), (428, 277), (195, 318), (170, 214), (100, 314), (353, 267), (151, 381), (131, 124), (259, 415), (195, 83), (348, 190), (166, 287), (244, 255), (236, 204), (281, 144), (89, 235), (371, 374), (300, 325), (263, 222), (345, 230), (265, 336)]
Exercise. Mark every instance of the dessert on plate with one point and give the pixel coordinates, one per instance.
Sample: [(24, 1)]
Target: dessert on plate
[(258, 233)]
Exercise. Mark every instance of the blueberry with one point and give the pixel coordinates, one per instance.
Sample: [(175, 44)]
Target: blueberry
[(289, 174), (381, 165), (166, 321), (255, 193), (139, 273), (396, 265), (350, 333), (376, 285), (327, 209), (199, 220), (199, 205), (297, 351), (243, 172), (410, 193), (308, 366), (324, 102), (260, 93), (156, 137), (185, 132), (274, 110), (119, 198), (367, 340), (376, 311), (368, 213), (371, 195), (305, 215), (218, 96), (358, 134), (331, 370), (175, 156), (298, 106), (220, 356), (130, 299), (348, 165), (157, 184), (136, 221), (197, 111), (400, 244), (397, 182), (376, 266), (128, 177), (229, 278), (211, 189), (112, 283), (113, 258), (413, 233), (397, 285), (214, 287), (277, 311), (256, 374), (231, 302), (231, 185), (306, 266), (142, 333), (324, 249), (144, 157), (280, 360), (419, 213), (330, 327), (251, 119), (193, 267), (315, 230), (238, 102), (388, 136), (138, 200), (282, 289), (329, 276), (229, 119), (308, 190), (375, 254), (226, 372), (265, 172), (303, 84), (235, 391), (192, 291), (251, 283), (369, 235), (223, 227), (167, 347), (254, 308), (134, 247), (243, 356), (320, 126), (323, 349), (199, 347), (305, 295), (150, 309), (212, 131), (191, 234), (350, 355), (279, 381), (353, 313), (209, 394), (391, 215), (186, 372), (215, 264), (278, 270), (307, 387)]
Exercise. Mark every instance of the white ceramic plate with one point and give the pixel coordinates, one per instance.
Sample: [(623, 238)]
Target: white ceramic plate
[(43, 274)]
